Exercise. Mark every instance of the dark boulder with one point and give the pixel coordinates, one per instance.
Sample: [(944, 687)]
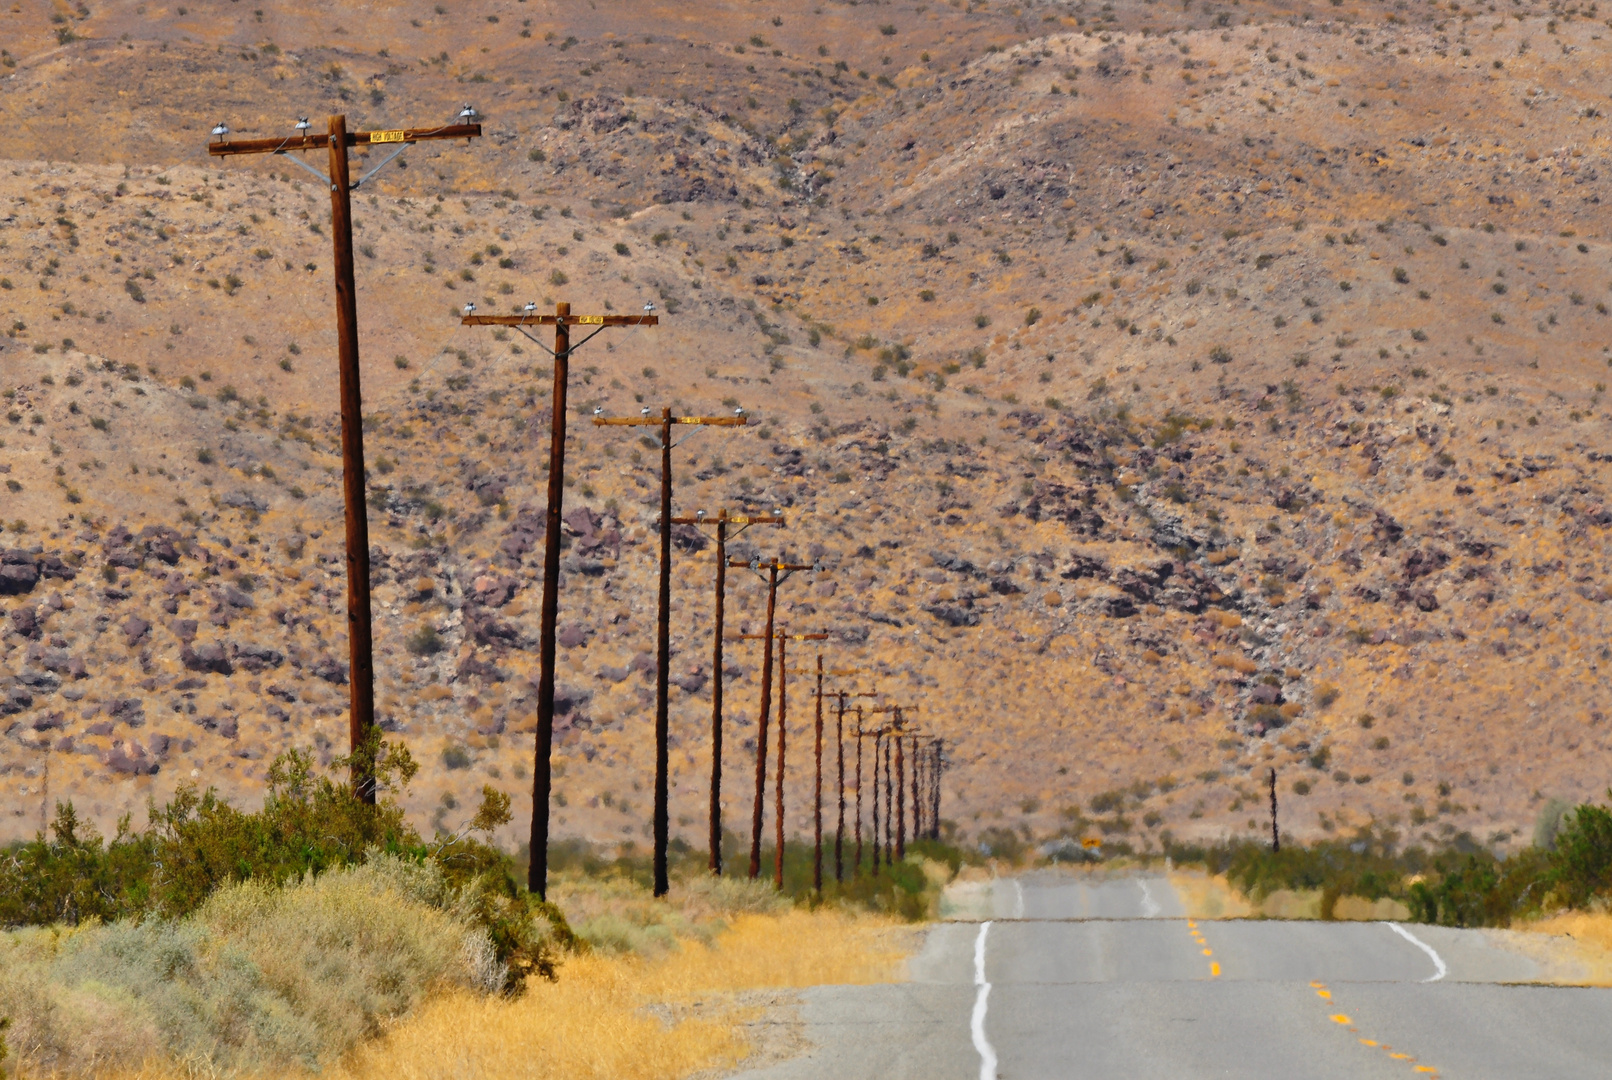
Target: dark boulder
[(331, 670), (255, 658), (24, 622), (134, 628), (19, 572), (691, 682), (1119, 607), (128, 558), (130, 760), (243, 500), (689, 538), (208, 656), (953, 614), (1419, 564), (1266, 694)]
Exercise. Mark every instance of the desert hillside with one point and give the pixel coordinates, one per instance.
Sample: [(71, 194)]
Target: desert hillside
[(1169, 391)]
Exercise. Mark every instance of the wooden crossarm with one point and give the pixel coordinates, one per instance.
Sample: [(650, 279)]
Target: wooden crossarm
[(310, 141)]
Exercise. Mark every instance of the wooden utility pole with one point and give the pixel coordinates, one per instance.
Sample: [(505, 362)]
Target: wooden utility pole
[(940, 765), (840, 697), (562, 320), (878, 760), (888, 795), (881, 737), (360, 640), (817, 812), (774, 569), (783, 639), (894, 788), (663, 623), (722, 520), (1276, 837), (917, 771), (817, 789), (857, 871)]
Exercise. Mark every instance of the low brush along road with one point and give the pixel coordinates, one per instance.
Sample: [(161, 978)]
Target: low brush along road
[(1060, 977)]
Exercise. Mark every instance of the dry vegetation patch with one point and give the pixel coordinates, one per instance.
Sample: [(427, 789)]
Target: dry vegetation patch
[(637, 1018)]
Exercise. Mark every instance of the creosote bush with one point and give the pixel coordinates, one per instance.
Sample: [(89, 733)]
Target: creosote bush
[(1461, 884)]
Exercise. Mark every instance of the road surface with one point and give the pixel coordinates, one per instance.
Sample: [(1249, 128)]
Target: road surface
[(1093, 978)]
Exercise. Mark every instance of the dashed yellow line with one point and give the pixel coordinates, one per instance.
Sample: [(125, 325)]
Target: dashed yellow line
[(1214, 967), (1344, 1020)]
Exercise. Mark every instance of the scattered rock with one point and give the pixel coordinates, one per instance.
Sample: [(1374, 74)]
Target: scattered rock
[(689, 538), (130, 760), (1421, 563), (243, 500), (19, 572), (1386, 528), (953, 614), (209, 656), (330, 669), (134, 628), (494, 591), (24, 622), (255, 658), (691, 682)]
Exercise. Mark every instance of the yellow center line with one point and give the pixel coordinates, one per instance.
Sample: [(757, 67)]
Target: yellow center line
[(1344, 1020), (1214, 968)]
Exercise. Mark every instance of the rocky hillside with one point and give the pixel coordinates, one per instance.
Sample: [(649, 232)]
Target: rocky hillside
[(1168, 394)]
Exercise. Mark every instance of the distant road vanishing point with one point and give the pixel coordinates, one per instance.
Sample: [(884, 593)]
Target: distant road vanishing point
[(1058, 978)]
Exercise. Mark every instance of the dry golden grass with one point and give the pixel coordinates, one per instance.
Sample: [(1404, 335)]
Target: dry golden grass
[(594, 1022), (623, 1017), (1587, 937), (1206, 896)]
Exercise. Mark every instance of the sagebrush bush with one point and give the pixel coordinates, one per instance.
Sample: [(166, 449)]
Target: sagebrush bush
[(258, 977), (203, 867)]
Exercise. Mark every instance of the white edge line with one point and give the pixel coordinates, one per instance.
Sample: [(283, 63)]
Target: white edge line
[(1018, 899), (1150, 906), (1438, 961), (977, 1022)]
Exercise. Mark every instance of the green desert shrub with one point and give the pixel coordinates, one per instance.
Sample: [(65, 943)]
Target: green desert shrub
[(258, 977)]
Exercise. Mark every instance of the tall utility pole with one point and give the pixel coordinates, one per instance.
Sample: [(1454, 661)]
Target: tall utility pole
[(840, 697), (663, 623), (881, 759), (817, 803), (783, 639), (888, 794), (360, 639), (878, 759), (857, 871), (1276, 837), (894, 787), (918, 798), (562, 320), (722, 520), (773, 568), (918, 774)]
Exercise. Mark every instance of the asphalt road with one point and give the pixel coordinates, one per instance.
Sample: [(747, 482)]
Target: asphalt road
[(1062, 978)]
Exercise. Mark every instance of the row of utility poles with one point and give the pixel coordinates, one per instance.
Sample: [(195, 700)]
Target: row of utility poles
[(926, 754)]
